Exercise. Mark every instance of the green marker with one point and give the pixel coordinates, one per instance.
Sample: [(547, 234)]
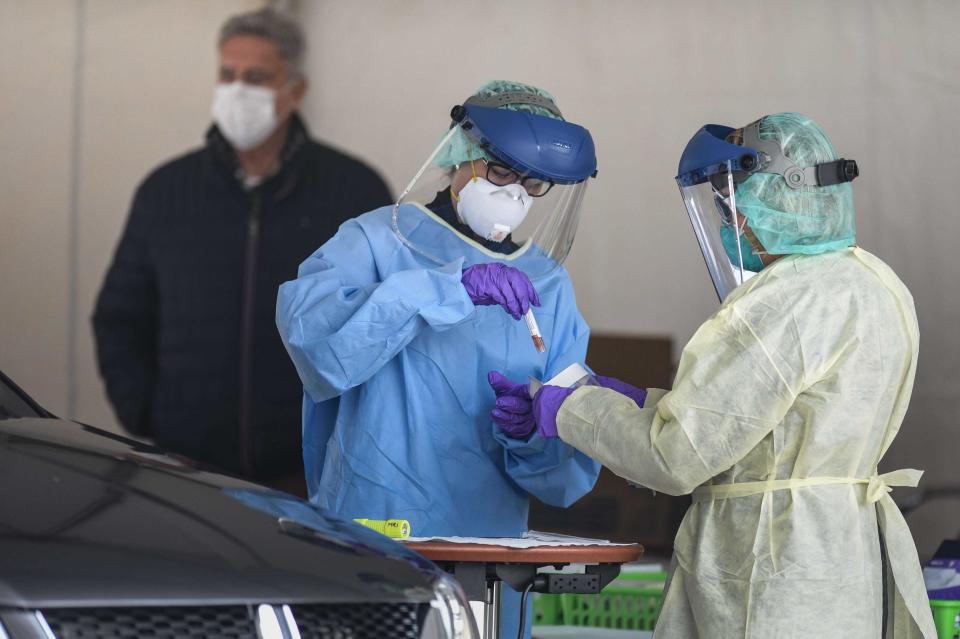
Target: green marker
[(392, 528)]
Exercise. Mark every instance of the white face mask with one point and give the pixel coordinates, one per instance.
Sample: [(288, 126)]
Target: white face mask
[(245, 114), (491, 211)]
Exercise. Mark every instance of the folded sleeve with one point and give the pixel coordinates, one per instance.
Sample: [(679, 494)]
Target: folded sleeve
[(341, 322)]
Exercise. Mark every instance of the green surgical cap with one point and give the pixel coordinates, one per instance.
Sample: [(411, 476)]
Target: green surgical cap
[(810, 219), (461, 149)]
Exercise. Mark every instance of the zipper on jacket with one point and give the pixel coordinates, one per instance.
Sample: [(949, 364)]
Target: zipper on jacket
[(247, 319)]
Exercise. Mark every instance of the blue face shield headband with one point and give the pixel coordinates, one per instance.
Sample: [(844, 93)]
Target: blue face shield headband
[(538, 146)]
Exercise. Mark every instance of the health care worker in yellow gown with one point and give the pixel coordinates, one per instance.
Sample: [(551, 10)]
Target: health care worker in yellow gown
[(784, 403), (394, 323)]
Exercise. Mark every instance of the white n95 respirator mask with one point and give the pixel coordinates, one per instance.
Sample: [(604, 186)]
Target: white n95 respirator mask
[(245, 114), (491, 211)]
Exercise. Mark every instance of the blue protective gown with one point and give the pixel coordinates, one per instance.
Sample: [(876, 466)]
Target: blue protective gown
[(394, 357)]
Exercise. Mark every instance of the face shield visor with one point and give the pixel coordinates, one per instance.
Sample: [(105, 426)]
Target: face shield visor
[(718, 159), (519, 202)]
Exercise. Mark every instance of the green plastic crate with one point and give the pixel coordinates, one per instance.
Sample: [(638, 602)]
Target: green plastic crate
[(546, 610), (631, 602), (944, 617)]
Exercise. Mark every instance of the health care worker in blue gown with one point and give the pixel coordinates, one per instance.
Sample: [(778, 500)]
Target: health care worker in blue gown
[(394, 323), (783, 404)]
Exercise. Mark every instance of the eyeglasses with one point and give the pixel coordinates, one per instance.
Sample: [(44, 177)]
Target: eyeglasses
[(503, 175), (253, 76), (723, 208)]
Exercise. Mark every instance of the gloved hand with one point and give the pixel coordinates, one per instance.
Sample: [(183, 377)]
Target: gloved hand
[(546, 405), (514, 409), (495, 283), (638, 395), (517, 415)]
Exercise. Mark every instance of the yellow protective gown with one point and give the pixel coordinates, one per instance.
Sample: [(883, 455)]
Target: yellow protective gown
[(784, 402)]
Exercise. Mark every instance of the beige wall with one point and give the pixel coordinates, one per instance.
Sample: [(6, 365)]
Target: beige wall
[(37, 44), (883, 78)]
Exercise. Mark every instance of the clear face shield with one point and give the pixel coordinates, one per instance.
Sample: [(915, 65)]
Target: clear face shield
[(720, 232), (519, 203)]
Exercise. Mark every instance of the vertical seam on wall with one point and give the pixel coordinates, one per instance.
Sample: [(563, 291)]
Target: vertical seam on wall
[(73, 224)]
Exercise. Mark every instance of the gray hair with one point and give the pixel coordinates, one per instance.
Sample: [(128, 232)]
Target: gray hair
[(283, 32)]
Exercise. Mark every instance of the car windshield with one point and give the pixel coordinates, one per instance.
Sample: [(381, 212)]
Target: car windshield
[(14, 403)]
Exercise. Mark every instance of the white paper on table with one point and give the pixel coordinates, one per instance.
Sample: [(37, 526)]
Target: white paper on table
[(530, 539), (572, 376)]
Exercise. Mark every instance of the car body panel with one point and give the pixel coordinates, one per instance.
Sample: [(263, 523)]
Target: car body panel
[(90, 518)]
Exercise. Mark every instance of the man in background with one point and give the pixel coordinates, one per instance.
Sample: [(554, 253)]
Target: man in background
[(184, 323)]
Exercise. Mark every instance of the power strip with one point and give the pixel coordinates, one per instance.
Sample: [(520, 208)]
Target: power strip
[(557, 583)]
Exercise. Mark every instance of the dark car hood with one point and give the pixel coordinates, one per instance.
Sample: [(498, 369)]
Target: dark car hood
[(91, 518)]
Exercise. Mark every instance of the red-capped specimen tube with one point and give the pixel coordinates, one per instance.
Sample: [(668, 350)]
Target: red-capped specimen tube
[(535, 335)]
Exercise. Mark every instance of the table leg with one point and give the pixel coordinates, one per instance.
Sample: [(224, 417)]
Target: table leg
[(491, 616)]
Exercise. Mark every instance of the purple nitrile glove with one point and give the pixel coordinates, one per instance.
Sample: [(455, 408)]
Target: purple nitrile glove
[(546, 405), (514, 409), (638, 395), (495, 283)]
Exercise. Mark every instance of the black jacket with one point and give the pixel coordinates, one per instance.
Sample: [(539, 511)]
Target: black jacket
[(185, 331)]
